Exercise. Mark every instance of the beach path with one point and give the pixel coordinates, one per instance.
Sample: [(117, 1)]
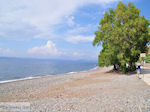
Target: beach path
[(145, 74)]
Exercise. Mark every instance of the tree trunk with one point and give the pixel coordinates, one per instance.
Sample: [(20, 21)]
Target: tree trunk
[(115, 68), (132, 66)]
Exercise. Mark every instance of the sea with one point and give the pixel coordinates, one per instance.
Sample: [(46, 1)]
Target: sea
[(12, 69)]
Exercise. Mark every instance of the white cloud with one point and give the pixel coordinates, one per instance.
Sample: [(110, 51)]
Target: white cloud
[(48, 50), (80, 29), (80, 38), (38, 17), (70, 21), (5, 52), (78, 55)]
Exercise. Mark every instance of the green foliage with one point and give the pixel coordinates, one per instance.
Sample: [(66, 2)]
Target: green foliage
[(123, 34), (147, 59)]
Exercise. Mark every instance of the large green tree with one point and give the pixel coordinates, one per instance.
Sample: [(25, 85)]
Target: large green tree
[(123, 34)]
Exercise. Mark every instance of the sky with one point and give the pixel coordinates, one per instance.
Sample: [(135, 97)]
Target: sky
[(54, 29)]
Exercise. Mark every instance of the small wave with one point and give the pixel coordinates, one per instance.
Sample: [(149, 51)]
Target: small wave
[(95, 68), (14, 80), (90, 69), (84, 70), (71, 72)]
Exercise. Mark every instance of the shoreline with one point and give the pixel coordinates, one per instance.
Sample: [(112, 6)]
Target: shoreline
[(37, 77), (87, 90)]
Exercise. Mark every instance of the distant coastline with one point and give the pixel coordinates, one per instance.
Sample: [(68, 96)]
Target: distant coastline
[(45, 59)]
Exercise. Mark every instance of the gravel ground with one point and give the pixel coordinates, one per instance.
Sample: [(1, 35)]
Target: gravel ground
[(90, 91)]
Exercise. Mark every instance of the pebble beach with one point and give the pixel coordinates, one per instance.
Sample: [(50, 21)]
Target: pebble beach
[(90, 91)]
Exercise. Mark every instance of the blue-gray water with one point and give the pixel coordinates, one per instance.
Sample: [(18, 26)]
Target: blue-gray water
[(16, 68)]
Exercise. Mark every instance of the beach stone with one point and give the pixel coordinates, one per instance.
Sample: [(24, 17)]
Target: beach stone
[(90, 91)]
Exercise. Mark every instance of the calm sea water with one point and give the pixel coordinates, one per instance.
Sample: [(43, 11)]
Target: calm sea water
[(15, 68)]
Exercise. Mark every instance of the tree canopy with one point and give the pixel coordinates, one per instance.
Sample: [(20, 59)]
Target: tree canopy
[(123, 34)]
